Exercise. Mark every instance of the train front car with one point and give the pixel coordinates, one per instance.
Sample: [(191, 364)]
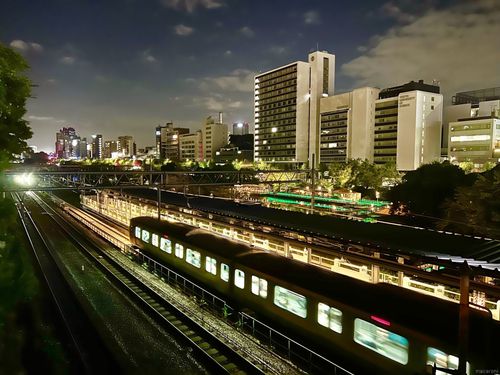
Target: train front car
[(373, 328)]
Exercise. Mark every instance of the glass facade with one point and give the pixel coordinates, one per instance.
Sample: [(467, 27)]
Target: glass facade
[(145, 235), (259, 286), (290, 301), (193, 258), (179, 250), (386, 131), (154, 239), (275, 114), (239, 278), (211, 265), (382, 341), (333, 147), (330, 317), (224, 272), (166, 245)]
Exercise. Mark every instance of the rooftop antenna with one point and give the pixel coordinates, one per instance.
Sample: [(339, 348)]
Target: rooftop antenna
[(317, 46)]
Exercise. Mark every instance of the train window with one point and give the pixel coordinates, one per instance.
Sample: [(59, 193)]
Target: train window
[(193, 258), (382, 341), (137, 232), (239, 278), (166, 245), (154, 239), (290, 301), (224, 272), (211, 265), (259, 286), (179, 250), (145, 235), (443, 360), (330, 317)]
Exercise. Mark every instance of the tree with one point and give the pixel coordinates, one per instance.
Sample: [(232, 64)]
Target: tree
[(475, 209), (424, 190), (15, 88)]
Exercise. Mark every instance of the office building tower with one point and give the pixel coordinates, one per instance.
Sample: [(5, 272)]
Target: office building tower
[(474, 137), (287, 109), (191, 146), (215, 136), (110, 149), (346, 124), (126, 146), (97, 146), (468, 104), (408, 122), (67, 144), (241, 128)]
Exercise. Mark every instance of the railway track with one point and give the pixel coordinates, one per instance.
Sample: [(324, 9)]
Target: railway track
[(212, 350), (91, 352)]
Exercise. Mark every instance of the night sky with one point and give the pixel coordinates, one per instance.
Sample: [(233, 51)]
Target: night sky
[(121, 67)]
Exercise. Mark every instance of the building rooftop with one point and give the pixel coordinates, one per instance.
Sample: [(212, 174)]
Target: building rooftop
[(476, 96), (391, 238), (391, 92)]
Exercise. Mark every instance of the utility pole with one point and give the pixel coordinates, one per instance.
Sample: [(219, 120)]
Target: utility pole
[(313, 182), (463, 326)]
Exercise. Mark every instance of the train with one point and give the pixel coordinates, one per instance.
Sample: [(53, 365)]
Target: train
[(372, 328)]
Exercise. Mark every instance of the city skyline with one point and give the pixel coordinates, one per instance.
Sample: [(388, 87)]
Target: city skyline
[(111, 79)]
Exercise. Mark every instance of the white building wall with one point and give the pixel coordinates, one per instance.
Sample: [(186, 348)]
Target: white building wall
[(320, 87), (489, 108), (361, 123), (302, 119), (419, 129)]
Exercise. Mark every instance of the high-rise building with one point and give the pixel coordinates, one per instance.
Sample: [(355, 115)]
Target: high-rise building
[(191, 146), (67, 144), (468, 104), (287, 109), (97, 146), (110, 149), (167, 141), (408, 122), (346, 124), (475, 137), (240, 128), (158, 132), (83, 148), (126, 146), (215, 136)]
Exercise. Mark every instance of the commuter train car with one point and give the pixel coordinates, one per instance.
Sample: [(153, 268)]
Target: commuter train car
[(379, 328)]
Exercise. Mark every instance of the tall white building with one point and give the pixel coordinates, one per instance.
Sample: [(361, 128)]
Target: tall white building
[(408, 122), (287, 109), (347, 123), (215, 136), (191, 146)]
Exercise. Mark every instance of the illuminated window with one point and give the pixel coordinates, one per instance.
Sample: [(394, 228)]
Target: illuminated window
[(179, 250), (211, 265), (224, 272), (290, 301), (166, 245), (471, 138), (274, 130), (193, 258), (443, 360), (145, 235), (330, 317), (259, 286), (239, 279), (382, 341), (137, 232), (154, 240)]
